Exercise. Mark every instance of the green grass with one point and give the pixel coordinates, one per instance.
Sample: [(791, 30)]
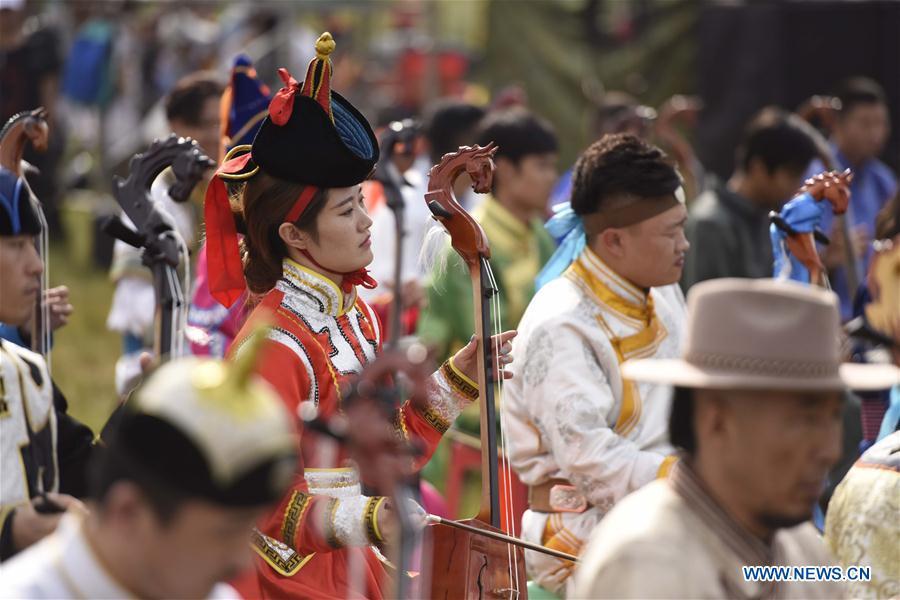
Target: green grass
[(84, 351)]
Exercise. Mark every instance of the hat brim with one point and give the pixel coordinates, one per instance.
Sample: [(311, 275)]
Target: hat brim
[(682, 373), (238, 164)]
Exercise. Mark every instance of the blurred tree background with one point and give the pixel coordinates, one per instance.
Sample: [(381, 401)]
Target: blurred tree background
[(566, 53)]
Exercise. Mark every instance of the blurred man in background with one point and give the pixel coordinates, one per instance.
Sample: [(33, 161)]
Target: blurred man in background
[(860, 132), (512, 217), (448, 124), (728, 225)]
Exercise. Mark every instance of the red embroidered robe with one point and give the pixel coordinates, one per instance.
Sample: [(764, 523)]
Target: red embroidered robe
[(319, 533)]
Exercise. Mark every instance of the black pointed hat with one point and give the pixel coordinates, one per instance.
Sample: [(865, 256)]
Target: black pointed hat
[(312, 136)]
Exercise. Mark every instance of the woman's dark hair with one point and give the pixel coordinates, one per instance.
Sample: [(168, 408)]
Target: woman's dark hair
[(264, 203), (620, 165), (681, 420)]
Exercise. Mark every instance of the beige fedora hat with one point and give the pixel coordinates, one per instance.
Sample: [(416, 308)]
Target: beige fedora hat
[(762, 334)]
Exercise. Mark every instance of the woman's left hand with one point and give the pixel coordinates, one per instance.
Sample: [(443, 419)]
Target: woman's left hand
[(465, 359)]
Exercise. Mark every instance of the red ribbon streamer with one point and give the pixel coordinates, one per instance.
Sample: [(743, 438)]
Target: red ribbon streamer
[(282, 104), (226, 272)]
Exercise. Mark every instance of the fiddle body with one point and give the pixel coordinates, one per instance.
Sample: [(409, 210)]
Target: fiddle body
[(467, 565)]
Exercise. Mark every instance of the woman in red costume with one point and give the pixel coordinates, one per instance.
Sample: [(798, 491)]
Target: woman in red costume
[(306, 246)]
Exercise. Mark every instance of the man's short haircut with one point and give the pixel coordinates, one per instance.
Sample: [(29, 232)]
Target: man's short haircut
[(186, 100), (620, 165), (517, 133), (778, 139), (449, 124), (110, 467), (681, 420), (855, 91)]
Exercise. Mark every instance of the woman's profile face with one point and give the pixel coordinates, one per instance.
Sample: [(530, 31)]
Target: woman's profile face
[(343, 242)]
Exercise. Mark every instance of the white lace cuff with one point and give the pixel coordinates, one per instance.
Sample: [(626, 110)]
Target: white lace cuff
[(451, 391), (353, 521)]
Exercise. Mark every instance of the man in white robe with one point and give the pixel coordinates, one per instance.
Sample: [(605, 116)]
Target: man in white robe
[(577, 434)]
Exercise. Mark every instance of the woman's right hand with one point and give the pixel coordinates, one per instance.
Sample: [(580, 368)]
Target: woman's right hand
[(388, 523)]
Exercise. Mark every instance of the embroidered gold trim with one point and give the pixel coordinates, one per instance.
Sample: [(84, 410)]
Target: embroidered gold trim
[(328, 470), (651, 333), (278, 555), (370, 519), (592, 260), (400, 425), (608, 297), (461, 384), (557, 537), (665, 466), (292, 515), (337, 296), (317, 87), (433, 418), (323, 481), (334, 486)]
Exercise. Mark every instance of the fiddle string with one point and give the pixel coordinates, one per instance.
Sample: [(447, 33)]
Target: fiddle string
[(185, 293), (176, 291), (46, 334), (173, 290), (497, 329)]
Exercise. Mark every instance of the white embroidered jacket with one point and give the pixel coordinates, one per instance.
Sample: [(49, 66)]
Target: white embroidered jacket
[(28, 460), (568, 414)]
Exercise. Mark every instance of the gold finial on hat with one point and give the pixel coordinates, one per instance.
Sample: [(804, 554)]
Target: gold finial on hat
[(229, 386), (324, 46)]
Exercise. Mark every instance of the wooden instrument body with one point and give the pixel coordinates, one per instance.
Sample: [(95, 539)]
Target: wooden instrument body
[(470, 566)]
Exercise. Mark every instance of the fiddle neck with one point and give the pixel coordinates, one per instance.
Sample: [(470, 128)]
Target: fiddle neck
[(483, 291)]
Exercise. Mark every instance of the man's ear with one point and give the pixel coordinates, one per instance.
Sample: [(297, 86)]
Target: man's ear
[(713, 413), (293, 237), (610, 239), (124, 503)]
